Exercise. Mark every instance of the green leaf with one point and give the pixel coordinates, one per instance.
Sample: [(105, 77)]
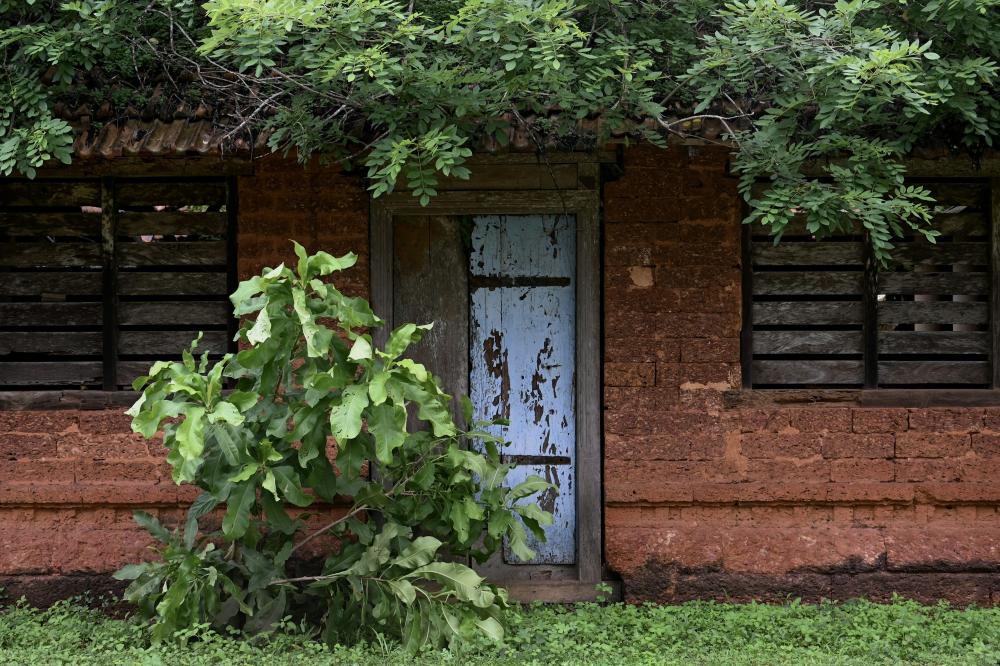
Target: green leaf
[(303, 264), (517, 540), (404, 590), (237, 519), (361, 350), (152, 525), (404, 336), (317, 339), (418, 553), (191, 441), (269, 484), (345, 417), (130, 571), (260, 332), (491, 628), (387, 423), (325, 264), (530, 486), (459, 579), (376, 388), (245, 291), (202, 505), (276, 515), (288, 483), (230, 450), (225, 411), (243, 400), (245, 473), (467, 410)]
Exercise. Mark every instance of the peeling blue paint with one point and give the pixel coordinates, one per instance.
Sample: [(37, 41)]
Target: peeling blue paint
[(522, 348)]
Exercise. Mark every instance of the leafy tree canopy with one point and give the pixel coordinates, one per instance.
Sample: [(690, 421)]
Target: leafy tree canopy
[(409, 87)]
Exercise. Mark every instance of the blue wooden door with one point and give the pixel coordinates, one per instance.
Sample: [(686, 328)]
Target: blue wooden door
[(522, 344)]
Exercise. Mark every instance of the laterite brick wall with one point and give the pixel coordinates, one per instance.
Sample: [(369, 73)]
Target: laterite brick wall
[(706, 496), (706, 500), (70, 480)]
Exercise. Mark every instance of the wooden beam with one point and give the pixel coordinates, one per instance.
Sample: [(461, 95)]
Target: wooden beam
[(489, 202), (960, 397), (109, 258), (589, 491), (994, 278), (150, 167), (562, 592), (746, 292), (36, 400), (232, 255), (870, 323)]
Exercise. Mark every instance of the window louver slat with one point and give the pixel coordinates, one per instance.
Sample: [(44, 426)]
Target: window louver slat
[(170, 242), (929, 324)]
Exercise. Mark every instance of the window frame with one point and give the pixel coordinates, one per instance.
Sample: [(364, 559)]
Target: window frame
[(869, 393), (108, 175)]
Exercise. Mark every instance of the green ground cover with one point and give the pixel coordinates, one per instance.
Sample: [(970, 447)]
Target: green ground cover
[(696, 633)]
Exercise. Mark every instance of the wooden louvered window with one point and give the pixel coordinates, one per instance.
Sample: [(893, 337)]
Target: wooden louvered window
[(823, 314), (100, 277)]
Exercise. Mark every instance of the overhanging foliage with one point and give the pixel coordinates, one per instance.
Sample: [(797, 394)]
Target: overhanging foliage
[(410, 88)]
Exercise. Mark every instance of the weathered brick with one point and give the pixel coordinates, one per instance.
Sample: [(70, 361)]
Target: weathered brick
[(777, 445), (854, 445), (620, 280), (105, 447), (991, 418), (946, 420), (874, 420), (641, 350), (625, 398), (862, 491), (634, 421), (629, 374), (652, 446), (758, 420), (796, 548), (831, 419), (35, 471), (710, 350), (922, 444), (960, 492), (986, 444), (14, 447), (97, 471), (720, 376), (942, 547), (780, 470), (929, 469), (658, 480), (46, 422), (848, 470), (708, 399)]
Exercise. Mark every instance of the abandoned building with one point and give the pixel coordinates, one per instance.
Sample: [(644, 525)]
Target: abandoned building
[(726, 418)]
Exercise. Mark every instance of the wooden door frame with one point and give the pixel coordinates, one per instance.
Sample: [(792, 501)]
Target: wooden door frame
[(577, 581)]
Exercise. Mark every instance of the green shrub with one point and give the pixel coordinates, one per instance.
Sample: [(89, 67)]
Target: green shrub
[(308, 378)]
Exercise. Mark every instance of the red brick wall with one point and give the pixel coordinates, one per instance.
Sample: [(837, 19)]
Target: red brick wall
[(705, 497), (70, 480), (704, 500)]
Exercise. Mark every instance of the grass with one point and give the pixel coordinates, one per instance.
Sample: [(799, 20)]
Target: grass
[(856, 632)]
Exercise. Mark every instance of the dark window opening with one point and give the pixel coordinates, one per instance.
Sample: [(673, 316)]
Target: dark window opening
[(101, 277), (823, 315)]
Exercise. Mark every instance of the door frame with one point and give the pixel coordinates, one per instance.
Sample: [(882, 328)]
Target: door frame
[(546, 582)]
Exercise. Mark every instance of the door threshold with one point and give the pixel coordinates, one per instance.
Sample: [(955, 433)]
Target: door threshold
[(560, 591)]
